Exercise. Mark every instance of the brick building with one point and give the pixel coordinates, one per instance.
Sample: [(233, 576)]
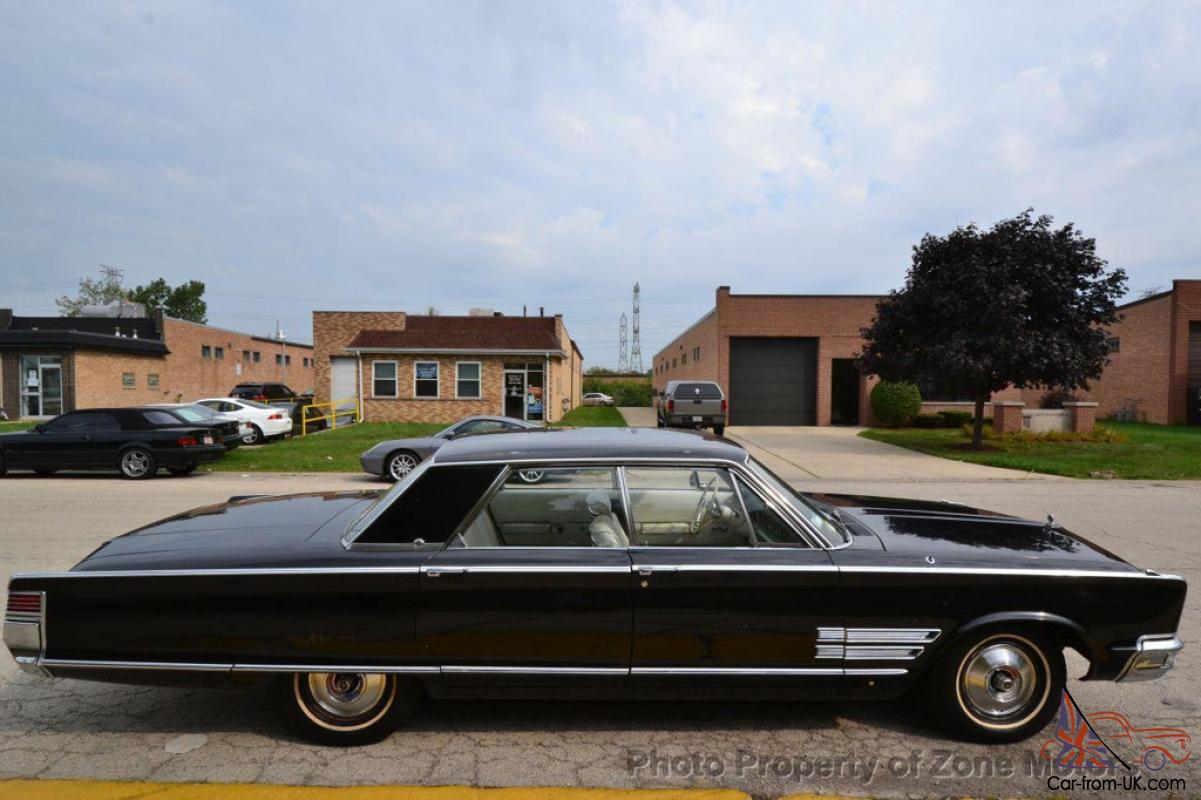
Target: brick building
[(408, 368), (49, 365), (1154, 372)]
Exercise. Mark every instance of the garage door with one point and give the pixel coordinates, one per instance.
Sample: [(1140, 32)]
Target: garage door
[(773, 381)]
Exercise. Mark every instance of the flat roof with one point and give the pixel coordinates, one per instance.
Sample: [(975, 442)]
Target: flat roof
[(590, 443)]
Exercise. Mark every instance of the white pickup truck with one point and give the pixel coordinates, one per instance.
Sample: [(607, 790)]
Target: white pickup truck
[(693, 404)]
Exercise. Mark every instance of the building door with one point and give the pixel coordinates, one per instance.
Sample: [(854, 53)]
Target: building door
[(773, 381), (41, 383), (515, 393), (343, 386), (844, 392)]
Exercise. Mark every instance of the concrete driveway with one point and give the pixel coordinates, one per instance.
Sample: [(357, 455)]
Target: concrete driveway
[(805, 453)]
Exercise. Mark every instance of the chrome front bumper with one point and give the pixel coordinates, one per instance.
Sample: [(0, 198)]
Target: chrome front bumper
[(1152, 657)]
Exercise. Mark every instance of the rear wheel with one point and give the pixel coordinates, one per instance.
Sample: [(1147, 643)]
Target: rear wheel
[(254, 437), (348, 708), (136, 463), (998, 686), (186, 469), (400, 464)]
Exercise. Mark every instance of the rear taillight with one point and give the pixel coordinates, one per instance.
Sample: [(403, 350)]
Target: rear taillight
[(186, 441), (276, 416), (671, 405), (723, 405), (25, 603)]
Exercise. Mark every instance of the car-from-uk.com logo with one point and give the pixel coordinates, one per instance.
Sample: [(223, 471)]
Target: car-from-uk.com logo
[(1110, 744)]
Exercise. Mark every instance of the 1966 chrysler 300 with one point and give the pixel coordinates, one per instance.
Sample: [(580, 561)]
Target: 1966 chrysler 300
[(646, 564)]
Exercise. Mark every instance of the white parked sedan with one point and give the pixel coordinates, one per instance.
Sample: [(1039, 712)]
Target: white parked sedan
[(597, 399), (261, 421)]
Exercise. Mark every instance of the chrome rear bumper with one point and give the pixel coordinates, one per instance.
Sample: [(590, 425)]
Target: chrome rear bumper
[(1152, 657)]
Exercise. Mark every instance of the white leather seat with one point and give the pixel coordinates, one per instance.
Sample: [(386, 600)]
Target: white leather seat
[(604, 529)]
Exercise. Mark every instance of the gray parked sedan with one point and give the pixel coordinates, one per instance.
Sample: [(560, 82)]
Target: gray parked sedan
[(396, 458)]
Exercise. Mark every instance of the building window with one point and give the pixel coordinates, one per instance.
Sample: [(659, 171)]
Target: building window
[(245, 355), (683, 358), (425, 379), (279, 359), (219, 353), (152, 380), (673, 363), (257, 356), (306, 361), (1114, 344), (128, 381), (206, 351), (467, 379), (287, 360), (696, 353), (383, 379)]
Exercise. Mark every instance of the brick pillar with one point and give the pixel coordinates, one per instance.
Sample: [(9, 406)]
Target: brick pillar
[(1083, 416), (1007, 416)]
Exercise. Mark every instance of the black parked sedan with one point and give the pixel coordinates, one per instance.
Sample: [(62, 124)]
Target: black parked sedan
[(134, 441), (647, 563)]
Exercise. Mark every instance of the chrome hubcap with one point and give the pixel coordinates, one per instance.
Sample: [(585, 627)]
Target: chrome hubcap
[(346, 694), (135, 463), (401, 465), (999, 680)]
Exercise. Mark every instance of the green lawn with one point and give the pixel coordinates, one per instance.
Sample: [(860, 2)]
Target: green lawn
[(593, 417), (1154, 452), (327, 451), (9, 427)]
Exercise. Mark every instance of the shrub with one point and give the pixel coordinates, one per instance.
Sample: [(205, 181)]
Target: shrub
[(929, 421), (955, 419), (1099, 435), (894, 404), (624, 393), (1055, 398)]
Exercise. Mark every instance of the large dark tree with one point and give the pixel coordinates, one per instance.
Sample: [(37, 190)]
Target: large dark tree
[(1021, 304), (185, 301)]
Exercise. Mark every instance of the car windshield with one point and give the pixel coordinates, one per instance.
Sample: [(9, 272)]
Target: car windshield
[(829, 525)]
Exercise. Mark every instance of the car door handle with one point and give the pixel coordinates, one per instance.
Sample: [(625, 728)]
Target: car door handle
[(434, 572), (656, 570)]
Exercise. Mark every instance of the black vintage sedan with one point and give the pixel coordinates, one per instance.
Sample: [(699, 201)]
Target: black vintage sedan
[(134, 441), (646, 564)]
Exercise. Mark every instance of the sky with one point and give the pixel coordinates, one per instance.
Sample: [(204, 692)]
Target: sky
[(392, 155)]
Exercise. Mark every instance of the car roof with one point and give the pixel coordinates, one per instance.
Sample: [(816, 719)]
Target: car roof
[(590, 443)]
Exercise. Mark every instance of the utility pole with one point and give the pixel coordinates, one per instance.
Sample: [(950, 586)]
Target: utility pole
[(636, 345), (623, 359)]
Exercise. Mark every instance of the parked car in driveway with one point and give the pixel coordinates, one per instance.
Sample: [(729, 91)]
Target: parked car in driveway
[(134, 441), (597, 399), (230, 428), (260, 422), (396, 458), (692, 404), (264, 391), (650, 564)]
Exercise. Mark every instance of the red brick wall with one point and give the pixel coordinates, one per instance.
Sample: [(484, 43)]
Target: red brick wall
[(1186, 308), (680, 361)]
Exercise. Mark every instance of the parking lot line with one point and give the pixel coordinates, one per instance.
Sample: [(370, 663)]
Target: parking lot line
[(129, 790)]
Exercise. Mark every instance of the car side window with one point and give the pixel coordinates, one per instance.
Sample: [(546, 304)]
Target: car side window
[(72, 423), (161, 418), (685, 507), (106, 423), (478, 426), (561, 507), (432, 507), (768, 526)]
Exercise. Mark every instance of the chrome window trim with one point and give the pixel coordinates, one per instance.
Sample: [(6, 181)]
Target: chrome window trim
[(373, 512), (675, 567)]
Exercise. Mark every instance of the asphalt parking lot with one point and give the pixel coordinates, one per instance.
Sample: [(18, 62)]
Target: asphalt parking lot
[(68, 729)]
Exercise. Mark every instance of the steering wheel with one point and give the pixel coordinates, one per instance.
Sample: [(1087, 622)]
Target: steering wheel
[(707, 506)]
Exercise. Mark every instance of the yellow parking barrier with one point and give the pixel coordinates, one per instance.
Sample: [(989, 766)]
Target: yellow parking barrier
[(336, 413)]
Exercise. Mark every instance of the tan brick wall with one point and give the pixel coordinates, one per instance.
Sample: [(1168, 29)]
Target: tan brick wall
[(1186, 308), (679, 359), (191, 376), (445, 409), (333, 330), (98, 379)]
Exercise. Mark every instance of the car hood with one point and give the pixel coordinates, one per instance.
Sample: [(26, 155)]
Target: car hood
[(952, 533), (243, 531)]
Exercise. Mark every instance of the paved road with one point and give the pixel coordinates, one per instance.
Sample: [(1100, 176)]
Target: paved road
[(75, 729)]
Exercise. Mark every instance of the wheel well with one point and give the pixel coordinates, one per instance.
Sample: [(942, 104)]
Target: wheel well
[(1061, 631)]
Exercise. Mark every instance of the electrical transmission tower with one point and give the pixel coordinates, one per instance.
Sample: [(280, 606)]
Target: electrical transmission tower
[(623, 359), (636, 344)]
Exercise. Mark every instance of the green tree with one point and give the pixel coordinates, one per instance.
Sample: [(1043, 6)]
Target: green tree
[(185, 301), (1020, 304), (94, 292)]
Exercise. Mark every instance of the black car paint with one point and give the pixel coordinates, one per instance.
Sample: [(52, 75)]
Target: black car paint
[(269, 584), (97, 448)]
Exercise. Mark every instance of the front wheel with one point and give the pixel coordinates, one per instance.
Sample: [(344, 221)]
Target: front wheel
[(401, 464), (998, 687), (348, 708), (137, 463), (255, 436)]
